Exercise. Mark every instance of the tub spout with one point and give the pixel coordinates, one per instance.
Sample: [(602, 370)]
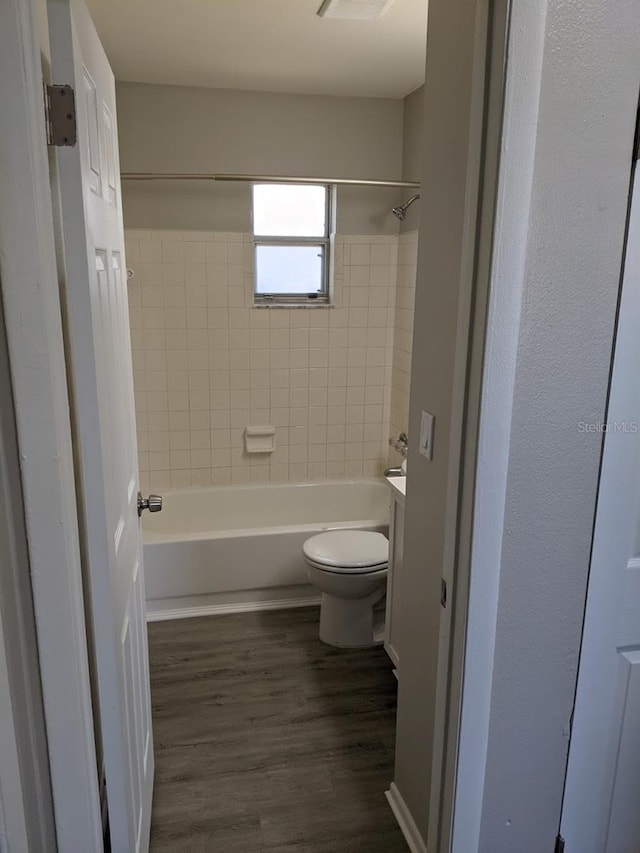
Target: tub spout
[(395, 471)]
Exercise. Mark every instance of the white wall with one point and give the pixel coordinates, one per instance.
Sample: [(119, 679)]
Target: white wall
[(183, 129), (564, 184), (412, 134)]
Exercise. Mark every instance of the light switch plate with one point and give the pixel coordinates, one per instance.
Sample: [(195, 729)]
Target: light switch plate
[(426, 435)]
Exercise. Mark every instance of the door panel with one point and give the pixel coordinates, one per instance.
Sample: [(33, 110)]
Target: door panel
[(97, 322), (624, 820)]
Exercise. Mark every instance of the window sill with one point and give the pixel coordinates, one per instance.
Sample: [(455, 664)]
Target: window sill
[(317, 306)]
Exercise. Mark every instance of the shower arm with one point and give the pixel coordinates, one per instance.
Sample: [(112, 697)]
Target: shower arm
[(401, 211)]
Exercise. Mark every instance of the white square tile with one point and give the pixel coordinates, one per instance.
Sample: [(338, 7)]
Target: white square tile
[(279, 317), (260, 379), (279, 397), (317, 434), (200, 458), (299, 338), (201, 477), (216, 253), (239, 380), (259, 339), (279, 418), (278, 359), (380, 254), (194, 252), (278, 473), (220, 457), (336, 397), (335, 469), (298, 397), (360, 255), (240, 476), (150, 252), (336, 415)]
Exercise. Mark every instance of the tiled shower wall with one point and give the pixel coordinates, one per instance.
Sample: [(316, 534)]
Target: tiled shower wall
[(207, 364), (403, 334)]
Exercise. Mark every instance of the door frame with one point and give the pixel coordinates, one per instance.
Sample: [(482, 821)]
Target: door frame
[(485, 138), (38, 375)]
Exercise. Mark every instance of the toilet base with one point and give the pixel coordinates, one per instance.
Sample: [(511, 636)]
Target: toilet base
[(352, 623)]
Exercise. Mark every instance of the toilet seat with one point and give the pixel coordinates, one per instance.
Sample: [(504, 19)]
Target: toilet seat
[(347, 551)]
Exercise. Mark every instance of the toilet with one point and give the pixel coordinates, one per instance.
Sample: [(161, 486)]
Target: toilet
[(349, 567)]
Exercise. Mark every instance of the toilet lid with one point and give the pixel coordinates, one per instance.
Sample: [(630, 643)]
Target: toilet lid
[(342, 550)]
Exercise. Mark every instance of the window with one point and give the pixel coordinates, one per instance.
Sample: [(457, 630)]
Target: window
[(291, 232)]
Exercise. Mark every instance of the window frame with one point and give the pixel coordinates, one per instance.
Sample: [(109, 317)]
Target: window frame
[(321, 297)]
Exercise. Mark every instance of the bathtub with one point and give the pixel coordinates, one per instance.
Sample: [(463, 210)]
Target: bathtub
[(233, 548)]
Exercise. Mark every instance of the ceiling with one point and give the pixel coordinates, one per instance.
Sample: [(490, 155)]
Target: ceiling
[(264, 45)]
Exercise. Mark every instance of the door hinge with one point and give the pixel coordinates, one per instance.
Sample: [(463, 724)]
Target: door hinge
[(60, 115), (443, 592), (559, 848)]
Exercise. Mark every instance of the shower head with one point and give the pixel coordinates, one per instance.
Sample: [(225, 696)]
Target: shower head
[(401, 211)]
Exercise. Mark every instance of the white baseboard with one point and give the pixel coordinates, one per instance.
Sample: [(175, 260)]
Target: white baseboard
[(238, 607), (405, 821)]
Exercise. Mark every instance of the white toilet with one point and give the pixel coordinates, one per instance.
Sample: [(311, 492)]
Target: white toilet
[(349, 567)]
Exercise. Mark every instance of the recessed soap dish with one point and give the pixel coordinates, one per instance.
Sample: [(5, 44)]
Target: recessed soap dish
[(260, 439)]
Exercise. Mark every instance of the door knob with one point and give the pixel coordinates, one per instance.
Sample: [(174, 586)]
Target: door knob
[(153, 503)]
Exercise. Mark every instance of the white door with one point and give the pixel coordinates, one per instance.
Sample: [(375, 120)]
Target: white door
[(601, 811), (99, 354)]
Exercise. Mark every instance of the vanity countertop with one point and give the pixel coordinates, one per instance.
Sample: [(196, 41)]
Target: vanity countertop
[(398, 485)]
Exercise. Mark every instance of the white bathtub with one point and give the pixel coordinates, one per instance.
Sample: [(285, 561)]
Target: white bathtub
[(240, 547)]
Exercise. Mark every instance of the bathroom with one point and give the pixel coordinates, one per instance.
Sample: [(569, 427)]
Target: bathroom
[(265, 421), (237, 716)]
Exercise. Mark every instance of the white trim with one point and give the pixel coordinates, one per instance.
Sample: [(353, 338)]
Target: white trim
[(35, 343), (240, 607), (405, 820)]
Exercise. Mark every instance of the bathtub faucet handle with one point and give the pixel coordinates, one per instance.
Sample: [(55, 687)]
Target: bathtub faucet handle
[(153, 503), (401, 444)]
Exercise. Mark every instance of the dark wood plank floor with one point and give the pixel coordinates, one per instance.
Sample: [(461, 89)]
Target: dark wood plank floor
[(268, 740)]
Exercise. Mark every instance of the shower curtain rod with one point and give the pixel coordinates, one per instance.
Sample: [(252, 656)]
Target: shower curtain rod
[(261, 179)]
